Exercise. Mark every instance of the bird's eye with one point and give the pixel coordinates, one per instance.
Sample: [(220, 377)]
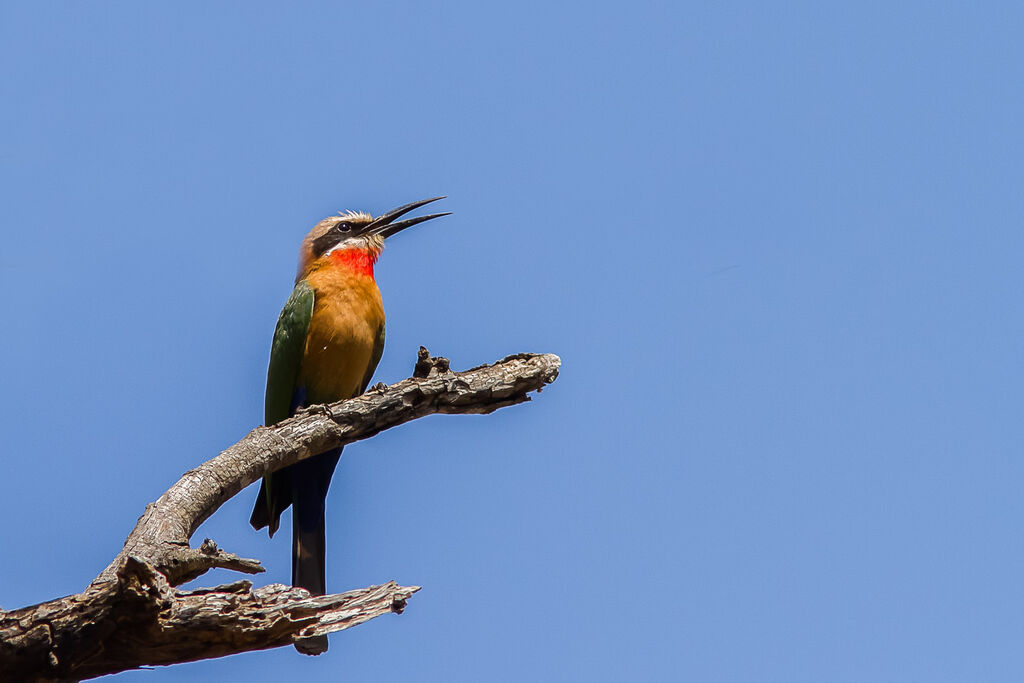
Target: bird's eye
[(343, 226)]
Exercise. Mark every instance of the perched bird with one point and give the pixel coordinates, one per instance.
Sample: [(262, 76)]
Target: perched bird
[(329, 338)]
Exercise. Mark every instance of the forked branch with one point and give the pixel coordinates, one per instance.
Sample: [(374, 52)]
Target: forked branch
[(132, 615)]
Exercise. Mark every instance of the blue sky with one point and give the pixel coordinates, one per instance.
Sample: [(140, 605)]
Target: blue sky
[(778, 250)]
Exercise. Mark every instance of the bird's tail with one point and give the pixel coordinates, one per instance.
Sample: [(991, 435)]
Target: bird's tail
[(310, 480)]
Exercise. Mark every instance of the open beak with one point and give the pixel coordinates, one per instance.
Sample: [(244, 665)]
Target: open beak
[(385, 227)]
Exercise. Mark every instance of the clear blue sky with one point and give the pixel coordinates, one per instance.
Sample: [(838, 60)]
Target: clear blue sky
[(778, 249)]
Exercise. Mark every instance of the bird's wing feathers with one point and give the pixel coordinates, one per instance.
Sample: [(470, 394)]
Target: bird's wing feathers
[(286, 353), (282, 377)]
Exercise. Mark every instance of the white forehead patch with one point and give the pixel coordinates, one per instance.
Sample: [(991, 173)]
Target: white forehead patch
[(355, 215)]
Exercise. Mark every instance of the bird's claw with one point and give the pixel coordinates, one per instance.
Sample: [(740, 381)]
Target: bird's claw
[(320, 409)]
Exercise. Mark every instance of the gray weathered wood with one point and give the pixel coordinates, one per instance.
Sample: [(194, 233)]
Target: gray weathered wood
[(132, 615)]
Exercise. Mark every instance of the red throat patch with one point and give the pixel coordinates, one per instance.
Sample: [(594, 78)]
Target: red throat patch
[(359, 261)]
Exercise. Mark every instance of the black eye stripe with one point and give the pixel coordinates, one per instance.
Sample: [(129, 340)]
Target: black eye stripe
[(339, 231), (325, 242)]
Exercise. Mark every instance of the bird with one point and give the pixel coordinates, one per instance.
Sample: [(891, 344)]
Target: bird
[(327, 343)]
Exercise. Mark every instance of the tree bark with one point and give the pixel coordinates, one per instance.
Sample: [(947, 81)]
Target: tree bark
[(132, 615)]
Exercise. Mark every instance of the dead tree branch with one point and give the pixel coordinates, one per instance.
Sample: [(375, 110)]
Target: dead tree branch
[(132, 615)]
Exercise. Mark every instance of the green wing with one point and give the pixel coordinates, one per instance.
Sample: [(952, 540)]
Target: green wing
[(282, 377), (286, 353)]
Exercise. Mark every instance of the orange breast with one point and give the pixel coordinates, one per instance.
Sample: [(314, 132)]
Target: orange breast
[(347, 318)]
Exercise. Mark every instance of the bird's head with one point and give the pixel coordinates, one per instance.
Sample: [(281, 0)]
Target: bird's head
[(356, 239)]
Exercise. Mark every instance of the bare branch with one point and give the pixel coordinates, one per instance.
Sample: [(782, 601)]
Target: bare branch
[(131, 615), (162, 533), (140, 620)]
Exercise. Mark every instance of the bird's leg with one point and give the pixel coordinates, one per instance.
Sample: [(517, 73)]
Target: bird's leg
[(320, 409)]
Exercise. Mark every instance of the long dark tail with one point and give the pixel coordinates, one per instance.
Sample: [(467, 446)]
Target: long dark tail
[(310, 480)]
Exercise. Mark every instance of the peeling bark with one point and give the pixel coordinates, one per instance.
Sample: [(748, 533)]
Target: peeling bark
[(132, 615)]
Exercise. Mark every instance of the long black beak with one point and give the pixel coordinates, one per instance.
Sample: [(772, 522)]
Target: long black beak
[(383, 225)]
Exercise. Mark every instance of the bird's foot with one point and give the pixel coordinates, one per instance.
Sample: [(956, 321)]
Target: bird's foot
[(320, 409)]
